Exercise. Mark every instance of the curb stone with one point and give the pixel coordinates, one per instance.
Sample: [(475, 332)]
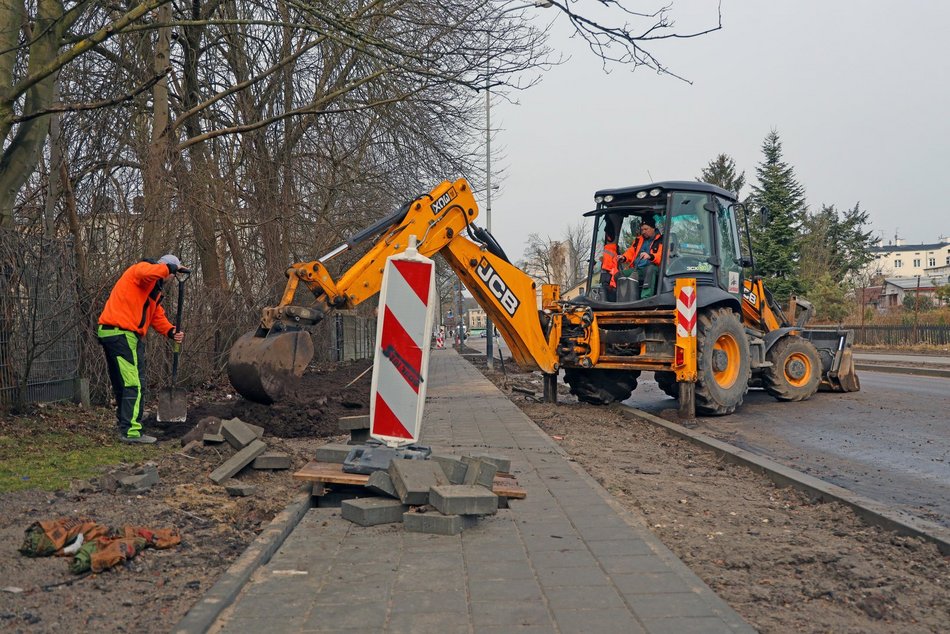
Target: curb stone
[(206, 611), (871, 511)]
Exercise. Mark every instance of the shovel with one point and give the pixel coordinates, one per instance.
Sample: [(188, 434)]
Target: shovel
[(173, 401)]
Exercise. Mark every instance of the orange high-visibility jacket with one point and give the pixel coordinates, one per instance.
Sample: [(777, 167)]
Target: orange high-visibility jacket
[(134, 303), (609, 262), (654, 252)]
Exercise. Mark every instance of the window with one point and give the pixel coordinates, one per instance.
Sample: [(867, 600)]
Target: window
[(932, 262), (898, 264), (916, 262)]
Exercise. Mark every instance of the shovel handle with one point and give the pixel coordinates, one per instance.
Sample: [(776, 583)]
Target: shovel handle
[(177, 347)]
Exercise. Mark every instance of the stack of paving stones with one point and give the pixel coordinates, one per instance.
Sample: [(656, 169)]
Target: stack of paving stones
[(441, 495), (249, 449)]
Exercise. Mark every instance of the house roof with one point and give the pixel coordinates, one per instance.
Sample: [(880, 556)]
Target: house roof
[(891, 248), (927, 282)]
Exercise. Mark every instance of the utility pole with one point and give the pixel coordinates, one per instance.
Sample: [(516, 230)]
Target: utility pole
[(916, 309)]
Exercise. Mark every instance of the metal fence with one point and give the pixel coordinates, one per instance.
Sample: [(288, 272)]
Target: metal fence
[(39, 338), (901, 335), (354, 337)]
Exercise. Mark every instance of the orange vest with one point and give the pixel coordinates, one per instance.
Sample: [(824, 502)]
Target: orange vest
[(654, 253), (608, 262), (133, 303)]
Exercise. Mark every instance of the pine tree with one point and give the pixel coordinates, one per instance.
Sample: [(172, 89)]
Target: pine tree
[(721, 172), (776, 242)]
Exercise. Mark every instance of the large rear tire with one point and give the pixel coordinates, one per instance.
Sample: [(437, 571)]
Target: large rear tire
[(601, 387), (667, 383), (723, 368), (796, 369)]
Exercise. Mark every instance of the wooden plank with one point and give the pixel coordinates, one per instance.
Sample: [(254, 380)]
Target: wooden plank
[(332, 473)]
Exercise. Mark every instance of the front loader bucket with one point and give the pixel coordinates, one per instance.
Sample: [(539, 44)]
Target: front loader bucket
[(837, 359), (260, 368)]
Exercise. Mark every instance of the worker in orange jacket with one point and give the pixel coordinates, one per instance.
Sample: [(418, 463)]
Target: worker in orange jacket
[(133, 306), (608, 266), (645, 254)]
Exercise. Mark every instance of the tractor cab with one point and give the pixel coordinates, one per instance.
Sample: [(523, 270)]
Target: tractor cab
[(647, 236)]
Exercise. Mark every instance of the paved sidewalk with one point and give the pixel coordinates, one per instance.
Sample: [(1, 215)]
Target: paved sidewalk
[(566, 559)]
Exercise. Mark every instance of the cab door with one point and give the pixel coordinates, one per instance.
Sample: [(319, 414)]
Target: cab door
[(730, 268)]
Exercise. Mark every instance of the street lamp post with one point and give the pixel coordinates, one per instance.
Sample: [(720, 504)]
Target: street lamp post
[(489, 327)]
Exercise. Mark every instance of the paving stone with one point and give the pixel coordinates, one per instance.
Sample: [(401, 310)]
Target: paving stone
[(412, 479), (333, 452), (350, 423), (463, 499), (238, 461), (271, 460), (436, 523), (501, 462), (453, 466), (258, 431), (213, 438), (237, 433), (380, 482), (141, 481), (240, 489), (373, 511), (479, 472), (207, 425)]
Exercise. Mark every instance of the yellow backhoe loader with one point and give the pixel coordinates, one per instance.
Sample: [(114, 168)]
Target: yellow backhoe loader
[(687, 314)]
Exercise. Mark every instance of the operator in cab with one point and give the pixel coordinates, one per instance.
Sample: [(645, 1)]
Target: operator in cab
[(644, 255)]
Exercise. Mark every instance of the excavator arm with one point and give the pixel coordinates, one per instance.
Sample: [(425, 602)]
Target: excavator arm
[(261, 361)]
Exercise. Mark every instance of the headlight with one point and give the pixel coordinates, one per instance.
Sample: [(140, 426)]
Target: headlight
[(655, 192), (598, 199), (608, 199), (641, 194)]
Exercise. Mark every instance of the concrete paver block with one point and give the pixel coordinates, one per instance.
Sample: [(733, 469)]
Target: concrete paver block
[(373, 511), (271, 460), (436, 523), (501, 462), (240, 489), (213, 438), (237, 433), (412, 479), (479, 472), (238, 461), (350, 423), (333, 452), (141, 481), (207, 425), (453, 466), (258, 431), (463, 499), (380, 482)]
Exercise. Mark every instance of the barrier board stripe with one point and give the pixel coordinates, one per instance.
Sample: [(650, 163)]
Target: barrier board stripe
[(403, 301), (417, 275), (386, 423), (401, 350), (399, 396)]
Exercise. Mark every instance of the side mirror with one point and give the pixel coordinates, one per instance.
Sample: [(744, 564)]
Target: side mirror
[(711, 207), (745, 262)]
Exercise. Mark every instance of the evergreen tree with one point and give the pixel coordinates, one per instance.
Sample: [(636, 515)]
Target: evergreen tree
[(721, 172), (776, 241), (835, 244)]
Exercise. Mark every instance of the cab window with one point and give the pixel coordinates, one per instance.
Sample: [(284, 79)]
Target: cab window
[(689, 244)]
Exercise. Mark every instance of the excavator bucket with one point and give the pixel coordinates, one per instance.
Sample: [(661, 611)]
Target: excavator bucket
[(262, 367), (837, 359)]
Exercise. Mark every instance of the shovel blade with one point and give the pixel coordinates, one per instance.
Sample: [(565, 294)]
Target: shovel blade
[(172, 406)]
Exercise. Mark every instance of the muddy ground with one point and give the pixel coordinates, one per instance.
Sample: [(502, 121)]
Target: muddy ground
[(786, 563), (157, 588)]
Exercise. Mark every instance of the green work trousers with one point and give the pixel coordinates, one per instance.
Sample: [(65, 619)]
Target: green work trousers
[(125, 360)]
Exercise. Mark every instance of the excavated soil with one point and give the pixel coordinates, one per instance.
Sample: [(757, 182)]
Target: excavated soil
[(785, 562)]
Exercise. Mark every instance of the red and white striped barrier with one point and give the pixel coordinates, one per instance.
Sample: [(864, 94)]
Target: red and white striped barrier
[(686, 311), (401, 364)]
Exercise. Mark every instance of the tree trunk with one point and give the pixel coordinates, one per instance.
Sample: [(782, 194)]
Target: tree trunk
[(156, 184)]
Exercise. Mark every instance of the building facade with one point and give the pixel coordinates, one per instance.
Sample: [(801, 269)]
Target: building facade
[(908, 260)]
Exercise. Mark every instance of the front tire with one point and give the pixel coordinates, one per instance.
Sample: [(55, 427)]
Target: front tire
[(722, 357), (601, 387), (795, 372)]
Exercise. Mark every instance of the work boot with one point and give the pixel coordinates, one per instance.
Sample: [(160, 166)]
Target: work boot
[(144, 439)]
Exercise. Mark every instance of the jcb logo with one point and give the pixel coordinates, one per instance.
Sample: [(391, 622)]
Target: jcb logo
[(442, 201), (497, 287), (750, 297)]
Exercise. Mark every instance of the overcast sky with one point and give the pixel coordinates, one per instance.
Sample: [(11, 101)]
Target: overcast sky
[(858, 90)]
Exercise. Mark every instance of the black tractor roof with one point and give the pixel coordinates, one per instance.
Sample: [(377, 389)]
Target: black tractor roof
[(690, 186)]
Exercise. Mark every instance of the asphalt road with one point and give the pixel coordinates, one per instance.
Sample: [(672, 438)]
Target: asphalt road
[(889, 442)]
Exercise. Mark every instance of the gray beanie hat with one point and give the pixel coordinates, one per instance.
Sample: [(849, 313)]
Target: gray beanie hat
[(170, 259)]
